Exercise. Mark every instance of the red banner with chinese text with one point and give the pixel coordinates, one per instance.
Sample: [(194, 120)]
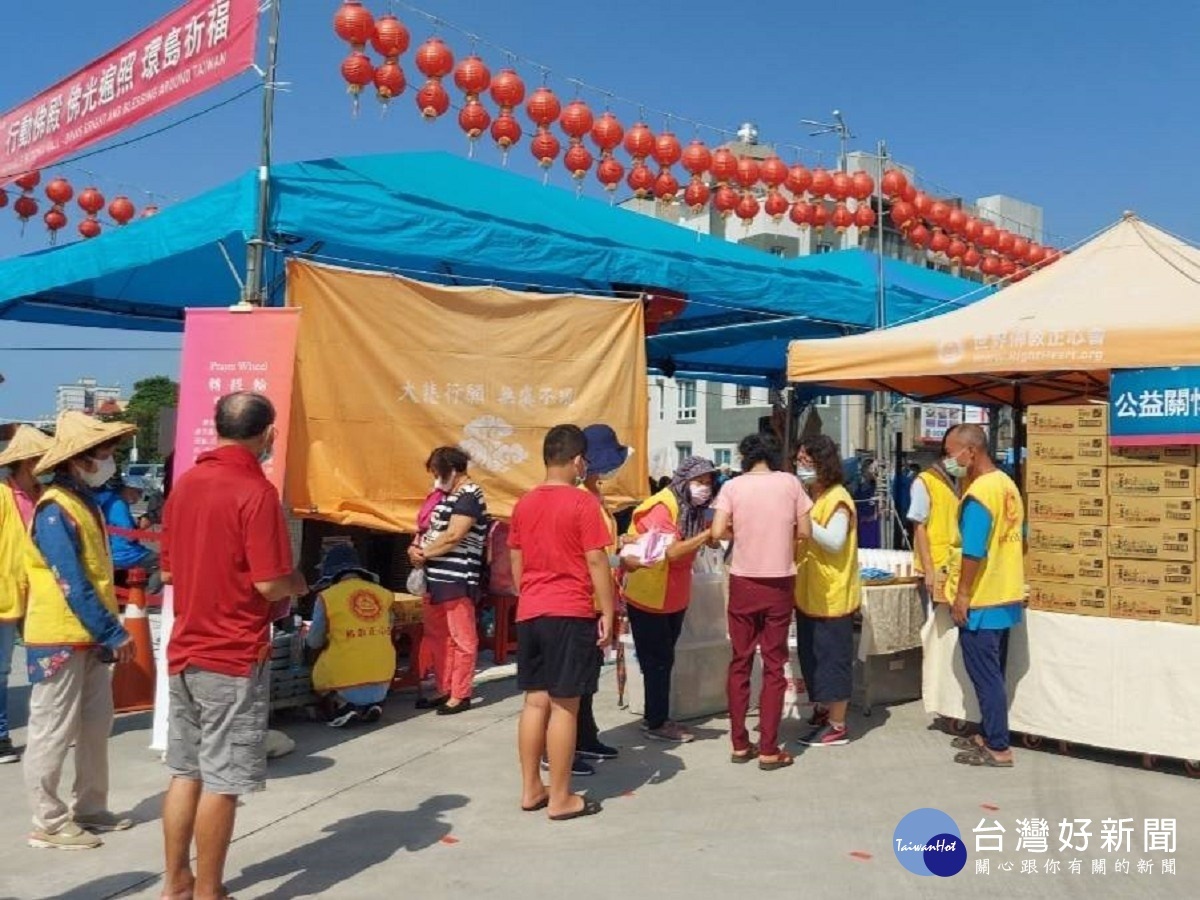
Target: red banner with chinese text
[(225, 352), (200, 45)]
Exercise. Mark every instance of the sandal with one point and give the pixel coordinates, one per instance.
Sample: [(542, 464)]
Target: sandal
[(965, 743), (540, 805), (589, 808), (782, 761), (982, 757), (744, 756)]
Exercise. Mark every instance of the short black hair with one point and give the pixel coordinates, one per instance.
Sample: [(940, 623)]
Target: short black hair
[(756, 448), (243, 416), (562, 444), (827, 460), (445, 460)]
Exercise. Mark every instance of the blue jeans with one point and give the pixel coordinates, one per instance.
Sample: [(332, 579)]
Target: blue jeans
[(8, 634), (984, 654)]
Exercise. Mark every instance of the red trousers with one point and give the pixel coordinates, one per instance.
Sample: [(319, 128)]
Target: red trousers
[(760, 614), (453, 644)]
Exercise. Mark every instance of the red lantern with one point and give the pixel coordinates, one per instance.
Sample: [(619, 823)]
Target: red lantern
[(956, 221), (1020, 275), (149, 212), (90, 228), (508, 90), (578, 161), (971, 258), (434, 58), (1007, 267), (1036, 254), (801, 213), (389, 82), (696, 158), (472, 76), (1004, 242), (820, 215), (1052, 256), (939, 213), (55, 219), (841, 187), (724, 165), (776, 206), (474, 119), (667, 150), (747, 172), (918, 236), (28, 181), (922, 203), (121, 210), (990, 266), (432, 99), (894, 183), (822, 183), (799, 180), (358, 72), (543, 107), (25, 207), (353, 24), (665, 186), (747, 208), (506, 130), (987, 236), (939, 242), (391, 38), (909, 194), (1020, 249), (607, 133), (842, 218), (863, 185), (545, 148), (864, 217), (903, 214), (91, 201), (639, 141), (971, 229), (773, 171), (696, 195), (957, 249), (610, 173), (576, 120), (3, 198), (725, 200), (640, 180), (59, 191)]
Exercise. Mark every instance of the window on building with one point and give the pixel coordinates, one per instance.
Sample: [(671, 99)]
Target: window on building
[(723, 457), (743, 395), (682, 452), (687, 401), (824, 247), (778, 250)]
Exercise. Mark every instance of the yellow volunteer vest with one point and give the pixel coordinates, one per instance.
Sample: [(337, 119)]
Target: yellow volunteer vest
[(648, 587), (942, 524), (15, 546), (1001, 577), (612, 534), (360, 649), (48, 619), (828, 585)]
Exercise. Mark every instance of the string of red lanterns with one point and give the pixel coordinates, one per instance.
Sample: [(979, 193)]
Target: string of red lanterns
[(59, 191)]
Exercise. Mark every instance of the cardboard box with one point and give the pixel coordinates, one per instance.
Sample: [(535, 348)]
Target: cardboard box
[(1150, 512), (1049, 537), (1067, 568), (1153, 576), (1151, 481), (1174, 455), (1045, 478), (1169, 543), (1152, 606), (1079, 599), (1070, 450), (1082, 509), (1091, 418)]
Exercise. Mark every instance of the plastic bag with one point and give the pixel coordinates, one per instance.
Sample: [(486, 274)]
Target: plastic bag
[(650, 548), (417, 584)]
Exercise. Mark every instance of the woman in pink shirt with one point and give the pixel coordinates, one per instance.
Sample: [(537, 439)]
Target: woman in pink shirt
[(765, 511)]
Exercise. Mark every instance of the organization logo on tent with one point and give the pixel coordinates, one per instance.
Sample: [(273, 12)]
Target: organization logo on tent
[(487, 440), (950, 351)]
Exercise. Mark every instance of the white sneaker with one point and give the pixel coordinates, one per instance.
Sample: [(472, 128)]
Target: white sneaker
[(69, 837)]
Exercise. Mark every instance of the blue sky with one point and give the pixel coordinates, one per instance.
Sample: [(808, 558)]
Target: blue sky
[(1085, 109)]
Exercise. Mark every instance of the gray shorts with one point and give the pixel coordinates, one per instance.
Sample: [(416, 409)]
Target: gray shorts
[(217, 732)]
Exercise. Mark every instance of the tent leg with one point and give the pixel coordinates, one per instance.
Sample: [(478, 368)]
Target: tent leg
[(1018, 411)]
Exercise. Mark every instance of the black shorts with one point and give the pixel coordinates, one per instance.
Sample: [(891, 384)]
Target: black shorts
[(558, 655), (826, 651)]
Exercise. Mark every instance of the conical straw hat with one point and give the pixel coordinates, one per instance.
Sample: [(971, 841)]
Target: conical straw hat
[(27, 443), (77, 433)]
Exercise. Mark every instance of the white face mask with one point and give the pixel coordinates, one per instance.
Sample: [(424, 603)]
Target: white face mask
[(806, 475), (700, 494), (105, 469), (953, 467)]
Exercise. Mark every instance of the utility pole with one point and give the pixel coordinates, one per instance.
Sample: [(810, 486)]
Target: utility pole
[(252, 291)]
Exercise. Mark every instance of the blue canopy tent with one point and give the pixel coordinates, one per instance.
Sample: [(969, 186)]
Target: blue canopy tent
[(440, 218)]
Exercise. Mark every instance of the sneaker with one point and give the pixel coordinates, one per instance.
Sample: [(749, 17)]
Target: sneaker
[(828, 736), (8, 753), (103, 821), (597, 751), (373, 713), (669, 732), (578, 767), (346, 715), (69, 837)]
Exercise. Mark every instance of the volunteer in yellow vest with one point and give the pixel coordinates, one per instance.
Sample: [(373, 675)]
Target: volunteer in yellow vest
[(352, 626), (72, 635), (933, 510), (987, 587), (828, 592), (657, 596), (19, 493)]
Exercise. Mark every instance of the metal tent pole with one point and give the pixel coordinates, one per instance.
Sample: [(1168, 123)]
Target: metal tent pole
[(252, 292), (881, 397)]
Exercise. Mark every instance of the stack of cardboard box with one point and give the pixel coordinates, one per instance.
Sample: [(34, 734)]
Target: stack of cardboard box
[(1112, 531)]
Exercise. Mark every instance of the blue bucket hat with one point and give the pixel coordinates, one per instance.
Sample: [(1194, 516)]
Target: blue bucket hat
[(604, 452), (340, 559)]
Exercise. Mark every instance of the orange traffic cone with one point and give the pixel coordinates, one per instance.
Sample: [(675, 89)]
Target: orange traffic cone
[(133, 682)]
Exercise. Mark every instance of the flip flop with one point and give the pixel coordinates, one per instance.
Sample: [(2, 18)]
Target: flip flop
[(540, 805), (782, 761), (983, 758), (590, 808), (743, 758)]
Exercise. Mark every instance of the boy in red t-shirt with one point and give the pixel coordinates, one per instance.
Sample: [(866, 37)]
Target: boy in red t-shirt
[(558, 544)]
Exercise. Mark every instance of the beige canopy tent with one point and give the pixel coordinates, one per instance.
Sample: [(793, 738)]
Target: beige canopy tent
[(1129, 298)]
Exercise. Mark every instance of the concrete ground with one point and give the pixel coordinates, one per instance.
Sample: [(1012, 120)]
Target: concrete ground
[(425, 807)]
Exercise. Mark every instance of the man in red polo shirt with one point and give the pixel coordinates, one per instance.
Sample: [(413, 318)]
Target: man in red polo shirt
[(227, 553)]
